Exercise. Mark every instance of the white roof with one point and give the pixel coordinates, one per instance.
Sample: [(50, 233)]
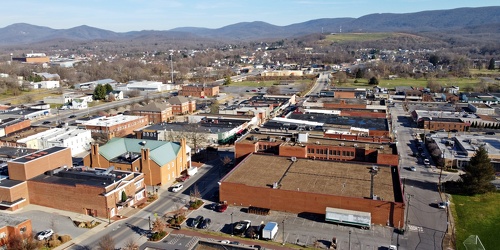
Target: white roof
[(111, 121)]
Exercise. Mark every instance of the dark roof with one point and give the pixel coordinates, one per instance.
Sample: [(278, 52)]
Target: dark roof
[(360, 122), (38, 154), (439, 119), (12, 152), (81, 176), (8, 183)]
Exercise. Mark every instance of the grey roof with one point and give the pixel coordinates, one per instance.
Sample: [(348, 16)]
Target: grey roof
[(177, 100), (154, 106), (11, 220), (161, 152)]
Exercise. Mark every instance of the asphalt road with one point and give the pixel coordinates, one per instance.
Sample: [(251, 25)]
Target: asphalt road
[(136, 227), (426, 223), (321, 83)]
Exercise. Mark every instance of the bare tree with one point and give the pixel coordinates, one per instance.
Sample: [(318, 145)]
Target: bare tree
[(273, 90), (158, 225), (195, 194), (106, 243), (226, 160), (23, 242), (131, 245)]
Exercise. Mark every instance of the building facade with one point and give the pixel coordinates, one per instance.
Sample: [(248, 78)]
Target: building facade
[(181, 105), (156, 112), (199, 90), (115, 126)]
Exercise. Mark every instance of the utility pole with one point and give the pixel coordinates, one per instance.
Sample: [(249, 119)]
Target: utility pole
[(407, 210), (232, 226), (171, 68)]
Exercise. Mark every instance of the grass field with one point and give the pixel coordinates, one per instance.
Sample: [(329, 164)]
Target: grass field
[(263, 83), (361, 37), (484, 72), (477, 215), (34, 95), (422, 82)]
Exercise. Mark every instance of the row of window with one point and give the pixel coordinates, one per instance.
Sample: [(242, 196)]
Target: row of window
[(330, 152)]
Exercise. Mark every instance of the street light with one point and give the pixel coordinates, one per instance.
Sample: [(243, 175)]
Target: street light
[(283, 232), (349, 239), (232, 226)]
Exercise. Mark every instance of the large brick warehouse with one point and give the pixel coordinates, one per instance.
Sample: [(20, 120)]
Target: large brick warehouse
[(308, 186)]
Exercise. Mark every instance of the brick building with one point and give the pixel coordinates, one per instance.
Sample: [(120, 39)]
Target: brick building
[(160, 161), (91, 191), (47, 178), (12, 226), (115, 126), (312, 186), (156, 112), (34, 58), (304, 146), (11, 125), (181, 105), (446, 124), (199, 90)]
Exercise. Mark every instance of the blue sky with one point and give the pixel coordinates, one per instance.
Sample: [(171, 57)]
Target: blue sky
[(131, 15)]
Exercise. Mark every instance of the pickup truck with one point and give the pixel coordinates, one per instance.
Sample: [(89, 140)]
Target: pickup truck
[(241, 227)]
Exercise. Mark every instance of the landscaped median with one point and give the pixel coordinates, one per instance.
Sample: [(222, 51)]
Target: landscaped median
[(477, 215)]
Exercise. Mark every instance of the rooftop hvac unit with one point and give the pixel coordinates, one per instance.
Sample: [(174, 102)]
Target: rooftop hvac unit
[(294, 159), (355, 145), (342, 144), (318, 143), (255, 138), (381, 147)]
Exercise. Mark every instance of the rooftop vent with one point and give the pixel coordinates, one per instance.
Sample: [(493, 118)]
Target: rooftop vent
[(342, 144), (294, 159)]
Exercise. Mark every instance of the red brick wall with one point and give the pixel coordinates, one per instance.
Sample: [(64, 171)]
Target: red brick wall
[(280, 200), (243, 149), (344, 94), (38, 166), (362, 114), (388, 159), (14, 193), (18, 126), (69, 198), (343, 105)]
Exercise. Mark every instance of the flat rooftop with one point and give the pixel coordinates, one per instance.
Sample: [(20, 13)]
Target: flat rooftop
[(252, 138), (444, 114), (38, 154), (12, 152), (314, 176), (358, 122), (15, 136), (11, 220), (8, 183), (111, 121), (83, 176)]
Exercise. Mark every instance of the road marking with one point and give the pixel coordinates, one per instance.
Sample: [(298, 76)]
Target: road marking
[(177, 238), (415, 228)]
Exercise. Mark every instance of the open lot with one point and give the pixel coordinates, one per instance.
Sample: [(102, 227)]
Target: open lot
[(477, 215), (62, 225), (421, 82), (304, 230)]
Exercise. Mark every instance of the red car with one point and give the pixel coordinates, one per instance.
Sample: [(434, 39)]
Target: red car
[(221, 208), (183, 178)]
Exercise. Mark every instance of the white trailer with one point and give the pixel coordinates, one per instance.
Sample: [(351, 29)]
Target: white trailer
[(348, 217), (270, 230)]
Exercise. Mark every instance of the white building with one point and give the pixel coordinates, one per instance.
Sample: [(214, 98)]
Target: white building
[(150, 86), (45, 85), (78, 140), (67, 98)]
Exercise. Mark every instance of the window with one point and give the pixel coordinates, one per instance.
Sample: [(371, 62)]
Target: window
[(22, 229), (139, 184), (139, 196)]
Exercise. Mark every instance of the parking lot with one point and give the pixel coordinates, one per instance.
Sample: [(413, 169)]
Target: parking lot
[(303, 230), (61, 224)]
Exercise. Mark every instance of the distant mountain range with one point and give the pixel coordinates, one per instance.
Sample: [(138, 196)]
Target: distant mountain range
[(426, 21)]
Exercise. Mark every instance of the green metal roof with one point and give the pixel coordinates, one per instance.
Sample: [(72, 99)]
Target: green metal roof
[(161, 152)]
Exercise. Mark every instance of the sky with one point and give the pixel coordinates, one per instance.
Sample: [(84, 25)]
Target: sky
[(135, 15)]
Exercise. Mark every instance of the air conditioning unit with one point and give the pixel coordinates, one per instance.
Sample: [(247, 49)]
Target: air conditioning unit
[(342, 144), (381, 147), (294, 159), (318, 143)]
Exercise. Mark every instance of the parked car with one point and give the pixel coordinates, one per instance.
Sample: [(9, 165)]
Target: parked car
[(442, 205), (177, 187), (72, 116), (196, 221), (393, 247), (46, 122), (183, 178), (205, 223), (221, 208), (489, 133), (44, 235), (225, 241)]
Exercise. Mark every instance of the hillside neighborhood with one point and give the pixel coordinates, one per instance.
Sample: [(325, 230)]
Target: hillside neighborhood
[(282, 144)]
